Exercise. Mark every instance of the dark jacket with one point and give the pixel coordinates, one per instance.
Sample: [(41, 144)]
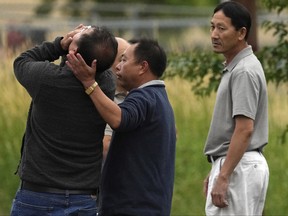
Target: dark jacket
[(64, 132), (138, 174)]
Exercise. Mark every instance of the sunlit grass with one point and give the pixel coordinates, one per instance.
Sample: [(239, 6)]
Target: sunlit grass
[(13, 111)]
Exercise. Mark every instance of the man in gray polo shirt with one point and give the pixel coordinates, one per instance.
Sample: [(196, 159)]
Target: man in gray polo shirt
[(238, 180)]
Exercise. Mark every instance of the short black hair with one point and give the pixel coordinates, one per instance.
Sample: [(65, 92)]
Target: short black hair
[(149, 50), (101, 45), (239, 15)]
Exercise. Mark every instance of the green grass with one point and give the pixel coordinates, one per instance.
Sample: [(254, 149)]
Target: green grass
[(192, 118), (13, 111)]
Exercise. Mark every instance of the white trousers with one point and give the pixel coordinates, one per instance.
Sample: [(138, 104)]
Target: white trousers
[(247, 186)]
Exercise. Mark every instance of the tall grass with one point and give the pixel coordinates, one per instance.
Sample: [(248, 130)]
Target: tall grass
[(13, 111), (193, 116)]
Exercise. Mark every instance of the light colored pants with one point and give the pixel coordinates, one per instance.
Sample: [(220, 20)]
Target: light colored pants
[(247, 186)]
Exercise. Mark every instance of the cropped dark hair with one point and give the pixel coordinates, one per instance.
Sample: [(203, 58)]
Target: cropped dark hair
[(239, 15), (149, 50), (99, 44)]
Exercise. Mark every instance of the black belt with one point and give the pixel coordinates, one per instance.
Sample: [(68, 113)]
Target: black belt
[(43, 189), (214, 158), (211, 158)]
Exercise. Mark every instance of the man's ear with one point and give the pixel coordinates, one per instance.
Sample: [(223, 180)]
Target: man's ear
[(144, 66), (242, 33)]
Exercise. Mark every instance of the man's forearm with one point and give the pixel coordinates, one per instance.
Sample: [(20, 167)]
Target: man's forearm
[(109, 111), (238, 145)]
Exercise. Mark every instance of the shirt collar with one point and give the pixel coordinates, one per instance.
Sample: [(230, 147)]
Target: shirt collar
[(120, 94), (242, 54), (153, 82)]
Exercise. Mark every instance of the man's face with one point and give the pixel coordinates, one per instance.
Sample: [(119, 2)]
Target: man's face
[(224, 36), (128, 69)]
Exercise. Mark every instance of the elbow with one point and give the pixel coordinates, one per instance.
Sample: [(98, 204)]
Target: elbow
[(115, 125), (249, 129), (244, 126), (116, 117), (247, 133), (112, 116)]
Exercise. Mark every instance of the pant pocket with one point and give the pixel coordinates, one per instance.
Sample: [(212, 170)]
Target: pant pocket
[(20, 208), (87, 212)]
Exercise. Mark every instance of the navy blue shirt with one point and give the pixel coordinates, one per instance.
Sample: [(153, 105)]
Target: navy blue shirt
[(138, 175)]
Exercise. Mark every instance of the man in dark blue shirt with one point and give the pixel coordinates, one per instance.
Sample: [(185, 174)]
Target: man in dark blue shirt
[(138, 174)]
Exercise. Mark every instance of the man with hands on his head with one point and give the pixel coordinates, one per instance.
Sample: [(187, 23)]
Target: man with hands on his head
[(61, 157)]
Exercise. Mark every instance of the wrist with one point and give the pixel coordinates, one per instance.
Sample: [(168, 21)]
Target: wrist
[(223, 176), (91, 88), (58, 44), (65, 43), (87, 84)]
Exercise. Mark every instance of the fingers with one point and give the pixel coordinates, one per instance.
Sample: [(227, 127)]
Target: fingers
[(66, 41), (74, 32), (80, 26), (219, 192), (78, 29), (205, 187), (80, 59), (94, 65), (79, 67), (72, 61), (219, 200)]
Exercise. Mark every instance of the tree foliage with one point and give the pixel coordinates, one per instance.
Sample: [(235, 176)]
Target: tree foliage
[(274, 58), (88, 9), (203, 68), (47, 6)]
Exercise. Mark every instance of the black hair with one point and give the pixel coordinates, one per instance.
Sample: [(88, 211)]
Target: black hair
[(239, 15), (149, 50), (99, 44)]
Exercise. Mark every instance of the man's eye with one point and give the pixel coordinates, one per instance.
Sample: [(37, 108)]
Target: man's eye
[(221, 28)]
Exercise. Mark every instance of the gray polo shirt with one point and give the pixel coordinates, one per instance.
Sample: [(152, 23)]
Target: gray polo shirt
[(242, 91)]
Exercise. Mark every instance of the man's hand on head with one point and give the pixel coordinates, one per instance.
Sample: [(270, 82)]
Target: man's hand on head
[(83, 72), (67, 39)]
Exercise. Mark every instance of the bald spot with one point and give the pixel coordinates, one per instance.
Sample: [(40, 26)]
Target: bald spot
[(122, 46)]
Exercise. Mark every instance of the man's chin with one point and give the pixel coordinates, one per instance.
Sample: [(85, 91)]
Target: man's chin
[(217, 50)]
